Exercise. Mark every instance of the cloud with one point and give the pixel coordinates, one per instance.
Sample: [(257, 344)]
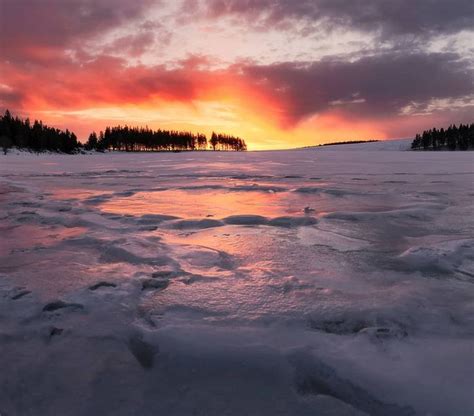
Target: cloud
[(371, 87), (10, 97), (40, 29), (81, 55), (389, 18), (376, 86), (105, 81), (131, 45)]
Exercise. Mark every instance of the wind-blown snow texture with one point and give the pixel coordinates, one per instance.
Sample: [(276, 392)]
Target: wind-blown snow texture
[(198, 283)]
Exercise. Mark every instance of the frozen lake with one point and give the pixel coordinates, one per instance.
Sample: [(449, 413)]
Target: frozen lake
[(334, 281)]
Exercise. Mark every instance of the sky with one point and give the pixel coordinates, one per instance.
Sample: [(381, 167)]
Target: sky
[(279, 73)]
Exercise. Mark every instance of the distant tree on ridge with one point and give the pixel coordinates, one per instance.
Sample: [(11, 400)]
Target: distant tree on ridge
[(453, 138)]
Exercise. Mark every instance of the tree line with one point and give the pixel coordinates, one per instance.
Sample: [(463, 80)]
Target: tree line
[(15, 132), (349, 142), (36, 136), (453, 138), (143, 139), (226, 142)]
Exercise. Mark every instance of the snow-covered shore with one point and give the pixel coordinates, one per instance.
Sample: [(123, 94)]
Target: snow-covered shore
[(198, 284), (383, 145)]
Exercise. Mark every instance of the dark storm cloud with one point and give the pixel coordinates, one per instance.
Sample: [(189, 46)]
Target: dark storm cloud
[(388, 17), (378, 86)]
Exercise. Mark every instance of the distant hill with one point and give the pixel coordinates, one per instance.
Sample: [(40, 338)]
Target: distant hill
[(382, 145), (348, 142)]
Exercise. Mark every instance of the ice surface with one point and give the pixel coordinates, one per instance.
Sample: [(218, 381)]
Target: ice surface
[(327, 281)]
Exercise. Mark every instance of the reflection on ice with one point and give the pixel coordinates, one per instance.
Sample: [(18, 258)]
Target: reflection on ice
[(201, 203)]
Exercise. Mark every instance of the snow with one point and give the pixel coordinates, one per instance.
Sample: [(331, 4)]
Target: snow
[(383, 145), (310, 282)]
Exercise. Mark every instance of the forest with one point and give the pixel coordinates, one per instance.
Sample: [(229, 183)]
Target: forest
[(143, 139), (452, 138), (37, 137), (15, 132)]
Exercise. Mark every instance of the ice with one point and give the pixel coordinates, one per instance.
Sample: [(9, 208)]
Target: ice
[(325, 281)]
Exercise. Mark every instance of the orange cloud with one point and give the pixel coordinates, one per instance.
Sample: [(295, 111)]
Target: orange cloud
[(105, 88), (270, 106)]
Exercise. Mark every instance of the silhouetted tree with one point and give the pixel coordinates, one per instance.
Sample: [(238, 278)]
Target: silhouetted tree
[(92, 142), (37, 137), (213, 142), (452, 138), (143, 139), (5, 143), (346, 142)]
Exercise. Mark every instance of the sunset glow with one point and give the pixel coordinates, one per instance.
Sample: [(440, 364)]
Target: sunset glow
[(281, 74)]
